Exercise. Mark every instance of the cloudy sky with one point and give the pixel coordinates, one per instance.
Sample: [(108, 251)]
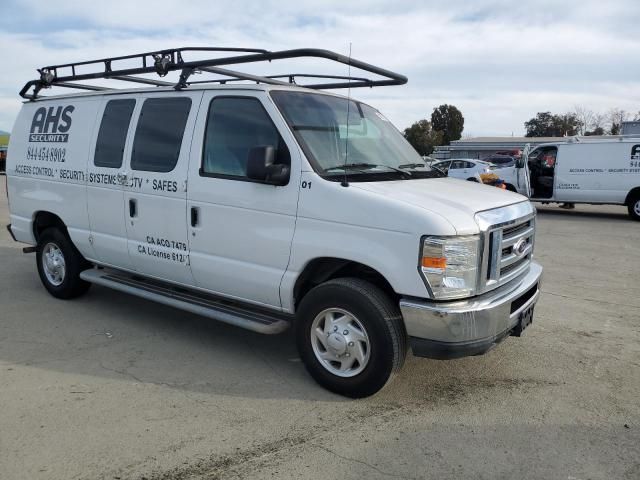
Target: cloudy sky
[(500, 62)]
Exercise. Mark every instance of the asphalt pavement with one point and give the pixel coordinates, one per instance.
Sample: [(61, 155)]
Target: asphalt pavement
[(110, 386)]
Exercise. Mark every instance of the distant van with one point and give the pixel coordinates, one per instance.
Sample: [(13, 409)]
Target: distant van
[(600, 171)]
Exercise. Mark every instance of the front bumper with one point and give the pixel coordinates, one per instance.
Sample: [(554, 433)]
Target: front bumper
[(445, 330)]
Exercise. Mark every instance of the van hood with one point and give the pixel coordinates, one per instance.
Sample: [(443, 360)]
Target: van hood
[(456, 200)]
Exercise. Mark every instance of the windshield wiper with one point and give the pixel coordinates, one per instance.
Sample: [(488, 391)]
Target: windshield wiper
[(412, 165), (356, 166), (434, 169)]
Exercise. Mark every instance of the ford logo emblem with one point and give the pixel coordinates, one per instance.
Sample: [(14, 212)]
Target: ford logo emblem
[(520, 247)]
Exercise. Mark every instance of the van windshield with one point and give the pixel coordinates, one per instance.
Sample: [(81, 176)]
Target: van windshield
[(340, 135)]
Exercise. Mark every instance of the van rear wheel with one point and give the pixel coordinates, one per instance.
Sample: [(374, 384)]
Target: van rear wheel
[(59, 265), (634, 207), (350, 336)]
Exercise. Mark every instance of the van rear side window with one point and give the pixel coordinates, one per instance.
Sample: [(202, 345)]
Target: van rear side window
[(156, 146), (113, 133)]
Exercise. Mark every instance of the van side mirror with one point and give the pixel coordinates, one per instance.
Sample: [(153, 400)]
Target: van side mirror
[(261, 166), (520, 163)]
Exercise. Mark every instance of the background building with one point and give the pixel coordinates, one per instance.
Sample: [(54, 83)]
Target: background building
[(481, 147)]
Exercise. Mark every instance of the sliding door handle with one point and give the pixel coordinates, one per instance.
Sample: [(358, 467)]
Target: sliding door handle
[(133, 207), (195, 220)]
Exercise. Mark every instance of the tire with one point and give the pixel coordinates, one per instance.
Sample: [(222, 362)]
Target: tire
[(59, 265), (634, 207), (374, 326)]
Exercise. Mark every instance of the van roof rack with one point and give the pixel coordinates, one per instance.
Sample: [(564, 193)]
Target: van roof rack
[(161, 62)]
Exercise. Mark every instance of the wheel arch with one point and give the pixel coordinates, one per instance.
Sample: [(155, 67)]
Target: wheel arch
[(44, 219), (633, 193), (322, 269)]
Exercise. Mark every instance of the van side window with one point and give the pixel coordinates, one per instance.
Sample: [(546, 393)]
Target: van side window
[(113, 133), (235, 125), (156, 146)]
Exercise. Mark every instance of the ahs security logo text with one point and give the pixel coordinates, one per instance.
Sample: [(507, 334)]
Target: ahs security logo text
[(51, 124)]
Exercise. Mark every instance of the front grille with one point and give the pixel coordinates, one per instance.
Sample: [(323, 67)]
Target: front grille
[(512, 261), (509, 268), (514, 230), (508, 247)]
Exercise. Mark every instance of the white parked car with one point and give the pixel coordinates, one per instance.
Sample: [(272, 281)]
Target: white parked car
[(268, 206), (465, 169)]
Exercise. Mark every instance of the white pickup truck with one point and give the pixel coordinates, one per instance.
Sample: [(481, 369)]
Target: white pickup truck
[(269, 206)]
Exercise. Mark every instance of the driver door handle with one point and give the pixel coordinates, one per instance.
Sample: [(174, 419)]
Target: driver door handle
[(195, 220), (133, 207)]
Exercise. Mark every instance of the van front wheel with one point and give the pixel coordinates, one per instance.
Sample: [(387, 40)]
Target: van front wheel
[(634, 207), (350, 336), (59, 265)]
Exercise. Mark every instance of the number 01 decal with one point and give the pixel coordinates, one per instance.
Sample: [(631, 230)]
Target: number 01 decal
[(306, 184)]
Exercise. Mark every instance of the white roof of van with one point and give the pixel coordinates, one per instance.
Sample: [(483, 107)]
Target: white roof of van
[(235, 86)]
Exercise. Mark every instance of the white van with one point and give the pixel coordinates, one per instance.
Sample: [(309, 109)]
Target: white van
[(269, 206), (580, 170)]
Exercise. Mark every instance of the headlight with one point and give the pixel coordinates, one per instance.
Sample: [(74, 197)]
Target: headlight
[(449, 265)]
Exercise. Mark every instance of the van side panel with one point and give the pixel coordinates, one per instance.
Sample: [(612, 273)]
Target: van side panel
[(107, 225), (19, 214), (596, 172), (242, 243), (155, 197), (357, 225), (47, 167)]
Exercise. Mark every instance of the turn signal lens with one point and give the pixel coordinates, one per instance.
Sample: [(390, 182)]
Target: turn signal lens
[(434, 262)]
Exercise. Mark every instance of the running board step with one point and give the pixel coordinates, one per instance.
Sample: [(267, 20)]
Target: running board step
[(253, 319)]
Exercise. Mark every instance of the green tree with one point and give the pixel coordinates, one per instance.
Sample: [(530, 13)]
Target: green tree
[(616, 116), (448, 120), (423, 137), (569, 124), (595, 131), (542, 125), (546, 124), (615, 128)]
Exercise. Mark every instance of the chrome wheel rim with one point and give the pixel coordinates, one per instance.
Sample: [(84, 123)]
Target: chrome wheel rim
[(636, 207), (53, 264), (340, 342)]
